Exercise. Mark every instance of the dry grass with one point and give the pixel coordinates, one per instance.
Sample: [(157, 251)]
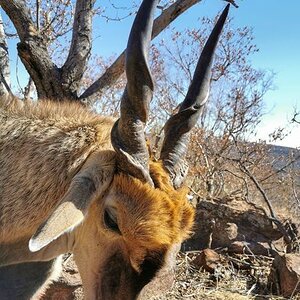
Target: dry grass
[(237, 277)]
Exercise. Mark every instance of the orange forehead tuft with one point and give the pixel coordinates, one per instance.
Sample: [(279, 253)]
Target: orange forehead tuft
[(152, 216)]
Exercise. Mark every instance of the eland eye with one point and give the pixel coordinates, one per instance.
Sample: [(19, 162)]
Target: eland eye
[(111, 222)]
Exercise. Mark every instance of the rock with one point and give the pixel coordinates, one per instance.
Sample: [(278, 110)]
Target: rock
[(240, 247), (231, 230), (225, 234), (232, 221), (286, 269), (207, 259)]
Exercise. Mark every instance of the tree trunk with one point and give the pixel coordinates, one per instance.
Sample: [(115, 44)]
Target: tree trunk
[(64, 83), (4, 63)]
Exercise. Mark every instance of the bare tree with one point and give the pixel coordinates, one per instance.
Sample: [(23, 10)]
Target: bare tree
[(295, 118), (235, 107), (4, 63), (52, 20), (223, 162)]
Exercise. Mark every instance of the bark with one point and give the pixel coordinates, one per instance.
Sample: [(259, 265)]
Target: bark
[(20, 16), (28, 89), (4, 63), (33, 52), (112, 73), (45, 74), (81, 45)]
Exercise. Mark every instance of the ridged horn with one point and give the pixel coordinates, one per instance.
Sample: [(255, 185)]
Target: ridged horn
[(128, 138), (178, 127)]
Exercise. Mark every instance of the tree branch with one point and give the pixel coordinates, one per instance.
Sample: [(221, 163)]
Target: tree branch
[(112, 74), (4, 63), (296, 115), (38, 14), (19, 15), (81, 45), (33, 52), (275, 219), (277, 171), (28, 88)]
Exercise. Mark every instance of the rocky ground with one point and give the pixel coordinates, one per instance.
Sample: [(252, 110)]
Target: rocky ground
[(208, 274)]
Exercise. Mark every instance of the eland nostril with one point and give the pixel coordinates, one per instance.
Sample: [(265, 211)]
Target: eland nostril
[(120, 280)]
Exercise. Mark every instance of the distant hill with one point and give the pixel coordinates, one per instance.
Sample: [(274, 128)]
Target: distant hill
[(284, 155)]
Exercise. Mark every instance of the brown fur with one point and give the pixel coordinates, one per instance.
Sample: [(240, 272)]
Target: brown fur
[(44, 147), (159, 216)]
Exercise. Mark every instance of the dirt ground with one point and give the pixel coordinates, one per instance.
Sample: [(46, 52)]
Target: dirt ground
[(238, 277)]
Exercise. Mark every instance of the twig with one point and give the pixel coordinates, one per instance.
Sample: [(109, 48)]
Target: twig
[(38, 4), (3, 80), (117, 68), (265, 197), (295, 289)]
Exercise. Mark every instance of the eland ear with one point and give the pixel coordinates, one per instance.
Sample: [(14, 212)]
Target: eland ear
[(69, 213), (93, 180)]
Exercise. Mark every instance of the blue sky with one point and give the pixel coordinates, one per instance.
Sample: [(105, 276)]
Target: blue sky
[(276, 28)]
